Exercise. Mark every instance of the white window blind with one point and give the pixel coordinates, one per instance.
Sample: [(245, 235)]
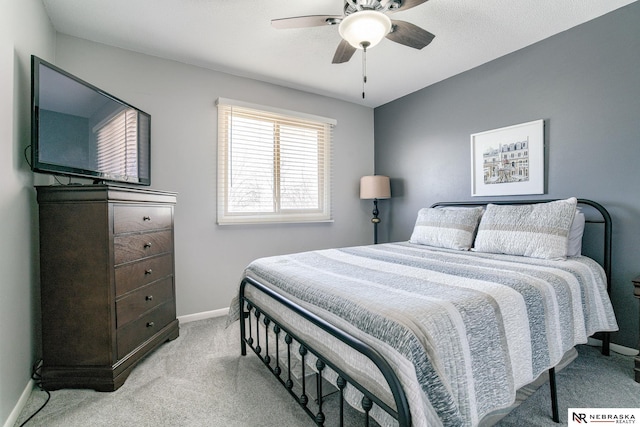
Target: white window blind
[(117, 148), (273, 165)]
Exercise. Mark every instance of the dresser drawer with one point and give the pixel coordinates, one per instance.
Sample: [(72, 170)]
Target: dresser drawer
[(144, 299), (135, 333), (133, 276), (127, 219), (136, 246)]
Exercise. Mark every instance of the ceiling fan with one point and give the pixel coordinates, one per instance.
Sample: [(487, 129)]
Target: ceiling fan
[(364, 24)]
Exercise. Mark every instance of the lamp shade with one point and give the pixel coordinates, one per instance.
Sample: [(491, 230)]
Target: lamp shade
[(367, 26), (375, 187)]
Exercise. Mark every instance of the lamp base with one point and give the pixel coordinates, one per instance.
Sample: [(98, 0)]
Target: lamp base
[(375, 220)]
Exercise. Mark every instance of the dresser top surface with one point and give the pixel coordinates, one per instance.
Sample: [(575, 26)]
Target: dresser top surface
[(102, 192)]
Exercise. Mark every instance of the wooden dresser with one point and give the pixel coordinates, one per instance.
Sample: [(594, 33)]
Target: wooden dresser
[(107, 281)]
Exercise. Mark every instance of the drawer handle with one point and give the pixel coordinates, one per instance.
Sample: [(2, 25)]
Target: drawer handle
[(149, 298), (150, 324), (147, 245), (148, 272), (146, 218)]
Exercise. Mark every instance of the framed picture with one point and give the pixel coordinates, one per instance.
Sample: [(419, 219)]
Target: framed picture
[(508, 161)]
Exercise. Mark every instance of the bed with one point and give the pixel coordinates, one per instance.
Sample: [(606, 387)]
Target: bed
[(440, 330)]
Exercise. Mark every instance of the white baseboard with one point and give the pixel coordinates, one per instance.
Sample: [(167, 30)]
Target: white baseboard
[(203, 315), (22, 402), (625, 351)]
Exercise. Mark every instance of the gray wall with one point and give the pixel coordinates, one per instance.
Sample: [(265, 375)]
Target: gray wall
[(24, 29), (584, 83), (181, 100)]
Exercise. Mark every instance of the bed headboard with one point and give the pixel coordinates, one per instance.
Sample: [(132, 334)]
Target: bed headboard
[(604, 219)]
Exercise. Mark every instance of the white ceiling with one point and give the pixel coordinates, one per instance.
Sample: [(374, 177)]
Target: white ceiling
[(236, 36)]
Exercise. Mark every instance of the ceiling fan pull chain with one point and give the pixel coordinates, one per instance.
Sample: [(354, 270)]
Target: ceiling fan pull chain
[(364, 65)]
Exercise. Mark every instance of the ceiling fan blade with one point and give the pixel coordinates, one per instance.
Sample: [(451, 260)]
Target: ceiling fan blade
[(344, 53), (305, 21), (409, 34), (407, 4)]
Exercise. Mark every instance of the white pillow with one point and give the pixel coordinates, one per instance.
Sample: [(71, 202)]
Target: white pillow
[(446, 228), (575, 234), (535, 230)]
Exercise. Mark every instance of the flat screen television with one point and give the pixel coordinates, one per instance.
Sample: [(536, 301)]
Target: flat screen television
[(80, 130)]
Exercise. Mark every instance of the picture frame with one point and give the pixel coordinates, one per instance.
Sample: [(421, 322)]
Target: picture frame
[(508, 161)]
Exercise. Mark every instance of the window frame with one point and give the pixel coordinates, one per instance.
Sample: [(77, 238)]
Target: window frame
[(322, 212)]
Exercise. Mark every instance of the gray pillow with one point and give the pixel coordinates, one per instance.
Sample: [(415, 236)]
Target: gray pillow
[(446, 228), (535, 230)]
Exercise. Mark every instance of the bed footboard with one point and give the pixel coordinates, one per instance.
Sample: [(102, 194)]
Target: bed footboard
[(251, 336)]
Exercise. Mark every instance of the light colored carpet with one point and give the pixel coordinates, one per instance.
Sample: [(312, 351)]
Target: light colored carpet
[(591, 381), (200, 379)]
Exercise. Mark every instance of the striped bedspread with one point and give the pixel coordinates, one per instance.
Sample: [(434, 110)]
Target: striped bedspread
[(475, 327)]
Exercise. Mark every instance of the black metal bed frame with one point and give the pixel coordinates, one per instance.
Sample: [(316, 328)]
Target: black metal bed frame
[(247, 306), (401, 412)]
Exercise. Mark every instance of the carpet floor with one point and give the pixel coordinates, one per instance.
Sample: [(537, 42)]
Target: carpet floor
[(200, 379)]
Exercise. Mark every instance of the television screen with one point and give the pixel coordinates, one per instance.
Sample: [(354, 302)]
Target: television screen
[(80, 130)]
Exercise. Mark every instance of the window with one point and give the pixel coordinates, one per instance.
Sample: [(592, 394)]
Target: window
[(273, 165)]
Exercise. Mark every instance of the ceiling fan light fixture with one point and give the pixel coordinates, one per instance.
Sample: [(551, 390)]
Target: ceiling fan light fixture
[(365, 28)]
